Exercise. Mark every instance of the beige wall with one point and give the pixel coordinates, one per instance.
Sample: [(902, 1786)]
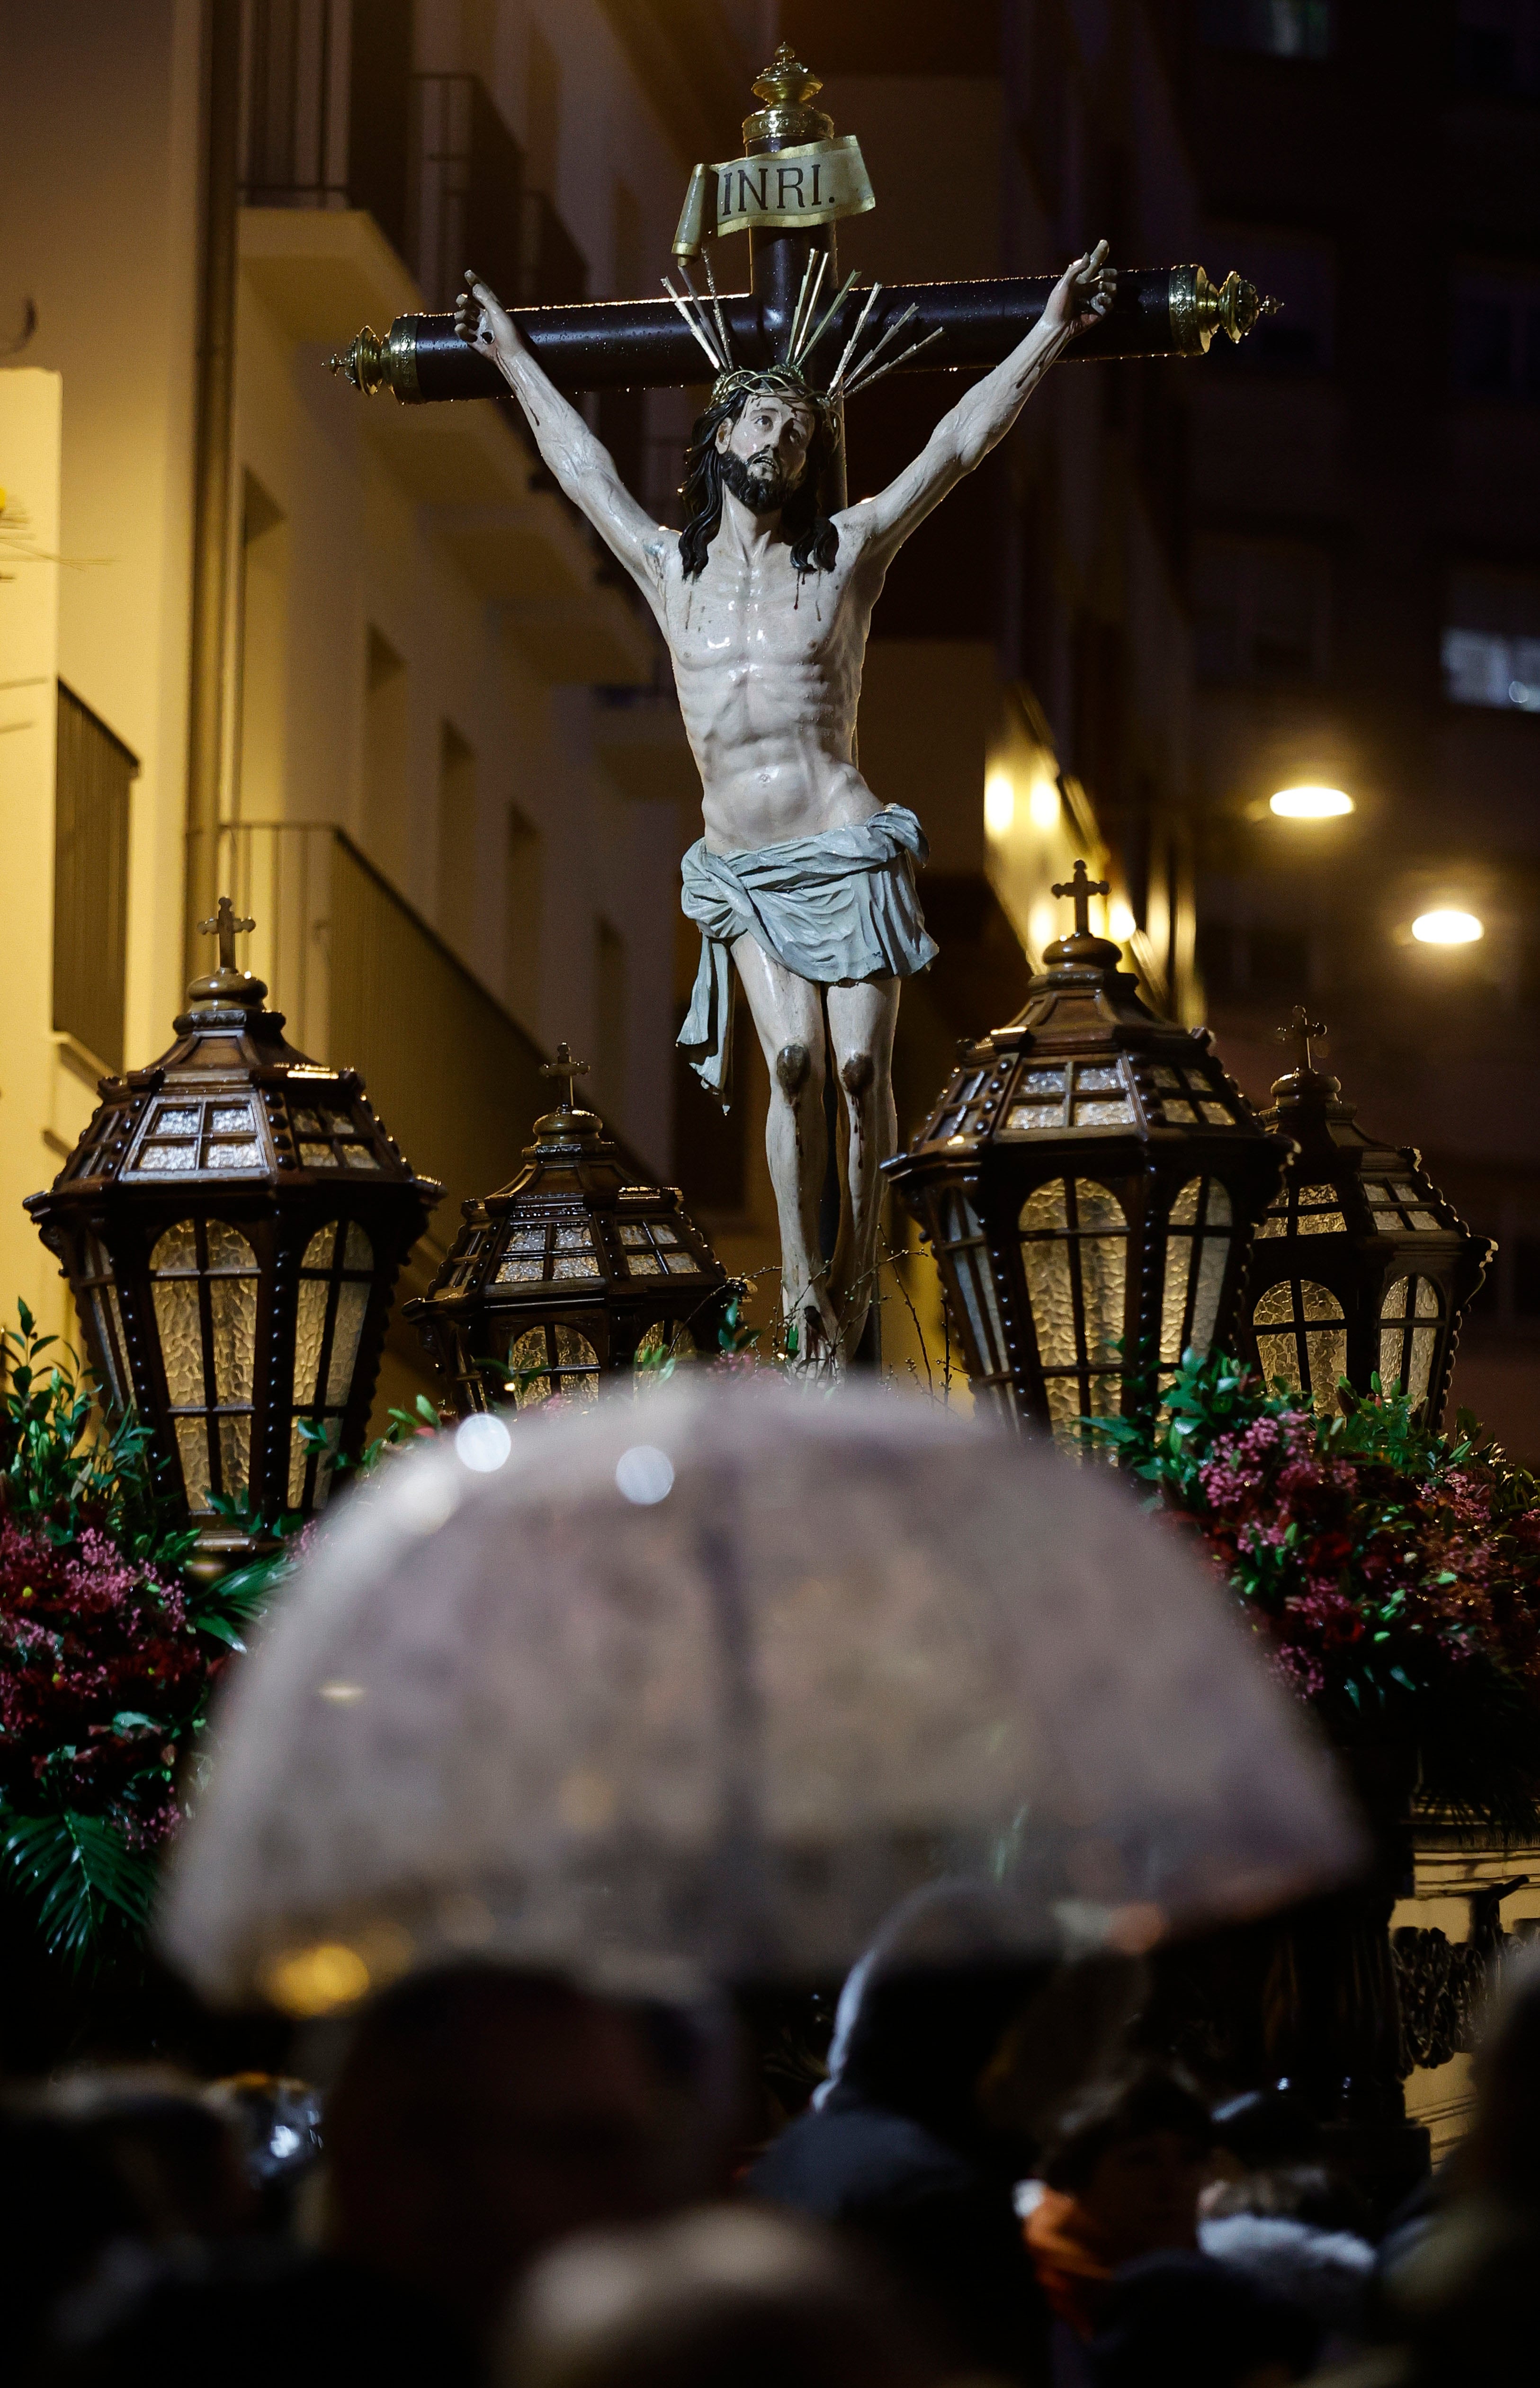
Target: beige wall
[(358, 519)]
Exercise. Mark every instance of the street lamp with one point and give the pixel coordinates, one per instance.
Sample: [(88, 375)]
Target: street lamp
[(1310, 803), (1089, 1183), (568, 1273), (1360, 1267), (232, 1224)]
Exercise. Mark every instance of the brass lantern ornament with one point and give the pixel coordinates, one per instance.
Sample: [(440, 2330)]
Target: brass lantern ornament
[(232, 1224), (1361, 1267), (568, 1275), (1088, 1183)]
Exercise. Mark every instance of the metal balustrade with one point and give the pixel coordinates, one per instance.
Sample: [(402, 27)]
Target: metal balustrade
[(363, 981)]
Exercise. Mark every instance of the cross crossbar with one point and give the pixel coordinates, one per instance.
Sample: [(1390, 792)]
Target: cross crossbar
[(643, 343)]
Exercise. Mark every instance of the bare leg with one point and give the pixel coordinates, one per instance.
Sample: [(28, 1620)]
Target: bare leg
[(789, 1018), (861, 1020)]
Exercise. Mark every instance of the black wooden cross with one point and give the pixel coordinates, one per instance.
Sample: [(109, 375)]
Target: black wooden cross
[(646, 343), (1080, 889)]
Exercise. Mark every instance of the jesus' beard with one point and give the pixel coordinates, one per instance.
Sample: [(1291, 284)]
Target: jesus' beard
[(760, 483)]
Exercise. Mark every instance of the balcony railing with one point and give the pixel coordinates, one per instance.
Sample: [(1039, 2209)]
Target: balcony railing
[(364, 981), (325, 119), (333, 117)]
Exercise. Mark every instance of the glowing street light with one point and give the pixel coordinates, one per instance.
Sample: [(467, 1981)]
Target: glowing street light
[(1311, 804), (1447, 928), (999, 805)]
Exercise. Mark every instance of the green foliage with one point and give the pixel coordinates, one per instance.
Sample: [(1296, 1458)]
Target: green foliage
[(63, 1467), (91, 1893), (1393, 1571)]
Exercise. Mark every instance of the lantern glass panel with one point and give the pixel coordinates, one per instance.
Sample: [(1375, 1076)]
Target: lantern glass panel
[(1302, 1339), (98, 1291), (547, 1360), (333, 1304), (962, 1241), (203, 1279), (1196, 1253), (1409, 1319), (661, 1342), (1074, 1256)]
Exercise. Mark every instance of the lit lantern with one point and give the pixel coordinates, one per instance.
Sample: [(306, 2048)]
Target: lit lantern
[(1361, 1267), (1088, 1183), (231, 1225), (568, 1275)]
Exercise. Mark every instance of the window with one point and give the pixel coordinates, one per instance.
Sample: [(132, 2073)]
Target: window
[(1490, 644), (521, 917), (1263, 610), (1498, 47), (1275, 29), (457, 872), (1275, 963), (93, 773), (261, 695), (1496, 347)]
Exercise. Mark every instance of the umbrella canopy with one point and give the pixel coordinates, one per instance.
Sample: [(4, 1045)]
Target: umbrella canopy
[(702, 1683)]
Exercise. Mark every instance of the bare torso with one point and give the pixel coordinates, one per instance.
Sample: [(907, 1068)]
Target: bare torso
[(767, 665)]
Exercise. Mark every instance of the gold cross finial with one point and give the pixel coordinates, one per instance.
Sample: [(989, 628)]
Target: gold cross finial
[(1299, 1032), (787, 79), (226, 928), (564, 1066), (1081, 890)]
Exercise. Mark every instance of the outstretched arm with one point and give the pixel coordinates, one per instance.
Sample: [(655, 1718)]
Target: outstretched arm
[(983, 414), (583, 466)]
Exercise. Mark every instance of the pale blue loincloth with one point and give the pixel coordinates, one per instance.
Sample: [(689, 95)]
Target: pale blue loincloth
[(834, 908)]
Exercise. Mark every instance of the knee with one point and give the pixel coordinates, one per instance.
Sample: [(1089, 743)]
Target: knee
[(857, 1076), (794, 1072)]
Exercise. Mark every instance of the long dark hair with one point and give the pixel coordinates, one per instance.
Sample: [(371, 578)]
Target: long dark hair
[(815, 542)]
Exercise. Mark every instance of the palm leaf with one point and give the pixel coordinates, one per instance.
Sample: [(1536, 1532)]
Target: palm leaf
[(86, 1884)]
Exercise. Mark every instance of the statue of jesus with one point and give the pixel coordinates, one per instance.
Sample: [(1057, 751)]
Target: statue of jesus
[(804, 880)]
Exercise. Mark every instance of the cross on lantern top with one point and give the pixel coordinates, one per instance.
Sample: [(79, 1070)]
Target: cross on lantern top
[(565, 1067), (1081, 889), (1299, 1031), (226, 928)]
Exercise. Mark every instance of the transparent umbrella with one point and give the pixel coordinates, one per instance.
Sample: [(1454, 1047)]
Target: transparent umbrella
[(699, 1686)]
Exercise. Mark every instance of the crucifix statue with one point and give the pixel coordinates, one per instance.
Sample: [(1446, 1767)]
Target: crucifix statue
[(802, 884)]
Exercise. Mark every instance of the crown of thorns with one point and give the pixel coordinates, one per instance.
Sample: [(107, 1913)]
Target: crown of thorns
[(789, 378)]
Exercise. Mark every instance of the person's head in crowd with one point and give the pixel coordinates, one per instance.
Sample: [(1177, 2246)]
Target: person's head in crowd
[(1262, 2129), (1133, 2154), (277, 2125), (1459, 2305), (61, 2204), (1177, 2321), (177, 2159), (1125, 2168), (945, 2022), (1502, 2151), (482, 2112), (724, 2294)]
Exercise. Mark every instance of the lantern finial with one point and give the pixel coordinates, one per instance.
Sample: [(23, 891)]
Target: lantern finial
[(226, 928), (565, 1067), (1299, 1032), (1080, 889)]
